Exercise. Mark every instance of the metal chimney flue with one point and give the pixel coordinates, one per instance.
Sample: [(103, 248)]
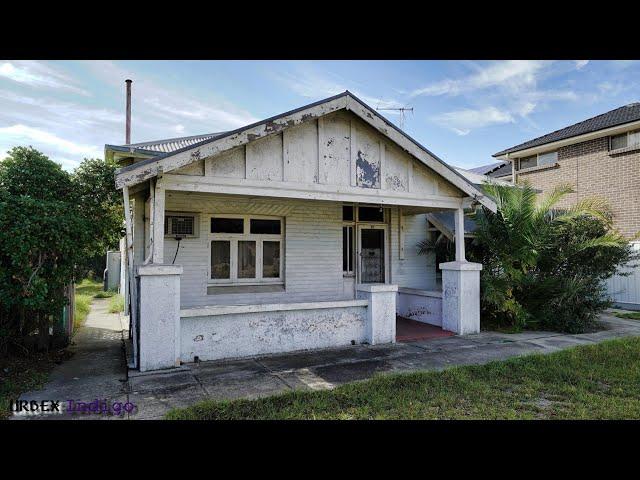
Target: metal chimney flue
[(128, 121)]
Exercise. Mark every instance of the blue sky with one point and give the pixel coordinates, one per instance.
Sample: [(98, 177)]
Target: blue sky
[(464, 111)]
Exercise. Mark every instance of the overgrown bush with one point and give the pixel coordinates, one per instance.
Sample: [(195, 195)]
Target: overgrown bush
[(543, 267), (52, 227)]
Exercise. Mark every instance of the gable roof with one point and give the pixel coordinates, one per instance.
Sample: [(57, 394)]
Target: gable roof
[(172, 160), (619, 116)]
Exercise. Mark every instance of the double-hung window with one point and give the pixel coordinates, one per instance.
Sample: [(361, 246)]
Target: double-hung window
[(245, 249)]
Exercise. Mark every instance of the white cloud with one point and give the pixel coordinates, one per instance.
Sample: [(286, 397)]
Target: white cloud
[(150, 100), (50, 144), (179, 129), (307, 83), (499, 92), (580, 64), (511, 74), (38, 74), (463, 121)]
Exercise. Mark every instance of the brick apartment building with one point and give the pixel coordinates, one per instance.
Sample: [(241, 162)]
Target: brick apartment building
[(597, 157)]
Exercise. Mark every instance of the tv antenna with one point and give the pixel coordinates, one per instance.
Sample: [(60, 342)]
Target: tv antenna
[(402, 111)]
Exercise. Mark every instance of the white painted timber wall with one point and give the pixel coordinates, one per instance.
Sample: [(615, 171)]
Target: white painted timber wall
[(414, 271), (312, 249)]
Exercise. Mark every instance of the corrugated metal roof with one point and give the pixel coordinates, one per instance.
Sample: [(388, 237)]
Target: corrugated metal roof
[(172, 144), (619, 116)]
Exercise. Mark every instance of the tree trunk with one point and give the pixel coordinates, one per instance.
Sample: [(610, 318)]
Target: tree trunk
[(43, 332)]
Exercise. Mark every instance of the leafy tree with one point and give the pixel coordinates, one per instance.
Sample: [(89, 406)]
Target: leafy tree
[(543, 267), (101, 205), (43, 235)]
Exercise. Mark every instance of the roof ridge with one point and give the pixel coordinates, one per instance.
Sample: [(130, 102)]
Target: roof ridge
[(517, 147)]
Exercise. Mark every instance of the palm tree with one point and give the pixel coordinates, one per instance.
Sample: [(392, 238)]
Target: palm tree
[(534, 252)]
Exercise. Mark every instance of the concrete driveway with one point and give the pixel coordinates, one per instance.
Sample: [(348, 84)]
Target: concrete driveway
[(97, 370)]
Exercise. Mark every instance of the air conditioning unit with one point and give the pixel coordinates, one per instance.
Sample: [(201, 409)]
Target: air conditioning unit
[(181, 225)]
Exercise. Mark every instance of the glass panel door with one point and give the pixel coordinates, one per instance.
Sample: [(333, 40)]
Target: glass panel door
[(372, 254)]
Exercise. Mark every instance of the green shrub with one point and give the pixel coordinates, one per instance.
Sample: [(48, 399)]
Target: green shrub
[(544, 267)]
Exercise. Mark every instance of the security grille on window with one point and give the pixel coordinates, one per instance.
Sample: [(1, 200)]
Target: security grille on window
[(246, 250), (180, 225)]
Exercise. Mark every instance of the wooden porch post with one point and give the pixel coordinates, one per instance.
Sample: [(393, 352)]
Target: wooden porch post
[(459, 231), (157, 222)]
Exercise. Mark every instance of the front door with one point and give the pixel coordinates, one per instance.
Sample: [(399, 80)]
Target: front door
[(371, 243)]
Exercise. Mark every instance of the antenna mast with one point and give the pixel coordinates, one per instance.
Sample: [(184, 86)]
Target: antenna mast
[(402, 111)]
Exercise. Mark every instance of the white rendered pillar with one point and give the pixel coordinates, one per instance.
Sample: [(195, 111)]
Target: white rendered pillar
[(159, 316), (461, 297), (381, 312)]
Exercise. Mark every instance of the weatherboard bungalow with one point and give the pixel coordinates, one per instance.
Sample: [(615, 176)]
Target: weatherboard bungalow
[(297, 232)]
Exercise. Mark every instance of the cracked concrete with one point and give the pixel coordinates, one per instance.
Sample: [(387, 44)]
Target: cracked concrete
[(154, 394)]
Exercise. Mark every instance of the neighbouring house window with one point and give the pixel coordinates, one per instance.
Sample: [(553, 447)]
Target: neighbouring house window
[(624, 140), (246, 249), (548, 158)]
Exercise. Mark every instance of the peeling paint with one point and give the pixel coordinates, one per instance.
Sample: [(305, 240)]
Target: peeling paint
[(395, 183), (367, 173)]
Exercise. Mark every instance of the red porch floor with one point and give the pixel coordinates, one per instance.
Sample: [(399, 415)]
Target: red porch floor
[(411, 331)]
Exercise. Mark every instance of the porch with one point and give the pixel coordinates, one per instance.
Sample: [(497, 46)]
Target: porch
[(257, 277)]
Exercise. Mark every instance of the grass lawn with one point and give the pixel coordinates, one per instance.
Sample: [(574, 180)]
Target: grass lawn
[(587, 382), (86, 291), (628, 315)]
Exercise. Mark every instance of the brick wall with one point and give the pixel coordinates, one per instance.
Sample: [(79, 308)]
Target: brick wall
[(592, 171)]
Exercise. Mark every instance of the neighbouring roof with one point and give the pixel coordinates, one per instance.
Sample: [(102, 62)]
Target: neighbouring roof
[(619, 116), (172, 144), (503, 170), (479, 179), (486, 169)]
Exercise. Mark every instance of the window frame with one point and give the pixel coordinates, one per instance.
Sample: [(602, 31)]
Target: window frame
[(233, 239), (537, 165), (626, 136)]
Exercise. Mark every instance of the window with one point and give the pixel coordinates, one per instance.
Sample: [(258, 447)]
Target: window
[(227, 225), (370, 214), (548, 158), (347, 249), (624, 140), (246, 249), (179, 225), (347, 213), (220, 259)]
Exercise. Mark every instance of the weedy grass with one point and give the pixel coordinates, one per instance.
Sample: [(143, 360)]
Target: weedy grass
[(586, 382)]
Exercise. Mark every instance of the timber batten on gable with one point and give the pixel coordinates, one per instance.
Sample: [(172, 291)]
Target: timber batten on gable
[(308, 146)]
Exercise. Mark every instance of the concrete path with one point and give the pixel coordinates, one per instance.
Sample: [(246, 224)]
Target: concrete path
[(95, 371), (154, 394)]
